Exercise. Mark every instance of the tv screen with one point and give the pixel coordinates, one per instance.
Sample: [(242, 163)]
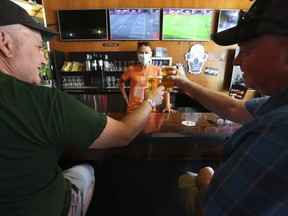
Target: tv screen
[(134, 23), (228, 18), (83, 24), (187, 24)]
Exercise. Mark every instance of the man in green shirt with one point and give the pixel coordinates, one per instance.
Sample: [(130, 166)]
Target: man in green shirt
[(37, 123)]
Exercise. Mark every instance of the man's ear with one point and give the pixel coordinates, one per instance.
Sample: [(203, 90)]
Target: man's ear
[(5, 41)]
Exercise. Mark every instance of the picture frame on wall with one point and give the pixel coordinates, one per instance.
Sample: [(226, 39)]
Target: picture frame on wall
[(236, 78), (228, 18), (160, 61)]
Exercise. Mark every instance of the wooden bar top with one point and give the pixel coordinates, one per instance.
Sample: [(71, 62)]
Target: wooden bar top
[(182, 123), (189, 136)]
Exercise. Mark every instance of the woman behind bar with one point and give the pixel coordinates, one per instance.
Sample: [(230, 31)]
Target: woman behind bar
[(138, 77)]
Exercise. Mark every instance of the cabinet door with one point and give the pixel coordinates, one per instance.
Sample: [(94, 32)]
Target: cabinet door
[(106, 103)]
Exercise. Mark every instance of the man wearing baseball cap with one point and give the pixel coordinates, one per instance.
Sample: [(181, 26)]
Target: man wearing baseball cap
[(37, 123), (252, 178)]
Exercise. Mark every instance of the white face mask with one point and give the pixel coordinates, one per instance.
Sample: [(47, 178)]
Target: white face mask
[(144, 59)]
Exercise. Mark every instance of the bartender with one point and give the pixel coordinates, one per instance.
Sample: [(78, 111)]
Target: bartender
[(138, 76)]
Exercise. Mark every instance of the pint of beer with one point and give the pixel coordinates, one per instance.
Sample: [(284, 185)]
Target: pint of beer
[(167, 71), (154, 82)]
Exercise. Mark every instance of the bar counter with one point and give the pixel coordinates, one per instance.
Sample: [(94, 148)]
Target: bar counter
[(168, 136)]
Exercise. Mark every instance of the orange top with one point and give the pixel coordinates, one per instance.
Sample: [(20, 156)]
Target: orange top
[(138, 76)]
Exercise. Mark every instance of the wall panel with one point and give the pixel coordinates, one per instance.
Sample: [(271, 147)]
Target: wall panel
[(176, 49)]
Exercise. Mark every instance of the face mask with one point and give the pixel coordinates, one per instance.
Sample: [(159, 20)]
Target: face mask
[(144, 59)]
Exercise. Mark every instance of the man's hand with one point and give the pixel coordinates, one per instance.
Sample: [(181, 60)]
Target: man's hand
[(204, 176), (155, 95), (179, 79)]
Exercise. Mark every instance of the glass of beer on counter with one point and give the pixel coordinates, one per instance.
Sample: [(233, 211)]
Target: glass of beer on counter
[(167, 71), (154, 82)]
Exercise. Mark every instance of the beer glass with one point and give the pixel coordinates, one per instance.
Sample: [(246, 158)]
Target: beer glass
[(108, 81), (167, 71), (154, 82)]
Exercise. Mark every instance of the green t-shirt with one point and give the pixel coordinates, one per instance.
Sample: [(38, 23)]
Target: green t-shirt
[(36, 124)]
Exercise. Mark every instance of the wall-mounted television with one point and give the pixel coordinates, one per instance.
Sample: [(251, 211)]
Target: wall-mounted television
[(134, 23), (228, 18), (187, 24), (83, 24)]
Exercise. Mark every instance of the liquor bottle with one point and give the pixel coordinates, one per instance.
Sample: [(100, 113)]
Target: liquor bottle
[(88, 63), (106, 63), (100, 63), (94, 62)]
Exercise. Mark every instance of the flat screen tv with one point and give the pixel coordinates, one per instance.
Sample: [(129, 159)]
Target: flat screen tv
[(187, 24), (228, 18), (83, 24), (134, 23)]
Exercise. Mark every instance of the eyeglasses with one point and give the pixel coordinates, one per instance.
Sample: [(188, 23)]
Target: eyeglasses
[(248, 16)]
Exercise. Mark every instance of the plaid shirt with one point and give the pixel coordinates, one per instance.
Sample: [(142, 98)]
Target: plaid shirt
[(253, 178)]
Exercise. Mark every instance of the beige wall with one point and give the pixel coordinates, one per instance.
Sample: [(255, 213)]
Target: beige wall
[(176, 49)]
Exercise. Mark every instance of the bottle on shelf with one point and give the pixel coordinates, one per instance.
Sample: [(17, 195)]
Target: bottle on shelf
[(106, 63), (94, 62), (88, 63), (100, 63)]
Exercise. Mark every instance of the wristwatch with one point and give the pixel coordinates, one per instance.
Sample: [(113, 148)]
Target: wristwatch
[(151, 102)]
